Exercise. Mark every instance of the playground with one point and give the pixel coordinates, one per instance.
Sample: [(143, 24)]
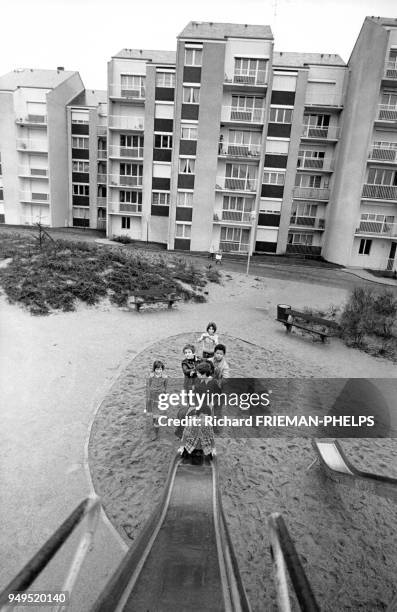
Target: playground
[(71, 421)]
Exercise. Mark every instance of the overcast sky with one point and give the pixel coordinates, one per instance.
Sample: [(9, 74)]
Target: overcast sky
[(83, 34)]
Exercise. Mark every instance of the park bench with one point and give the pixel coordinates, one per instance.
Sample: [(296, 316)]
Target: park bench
[(151, 296), (307, 322)]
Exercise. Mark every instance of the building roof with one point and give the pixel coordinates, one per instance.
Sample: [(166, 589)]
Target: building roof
[(220, 31), (384, 21), (299, 60), (32, 77), (90, 97), (157, 57)]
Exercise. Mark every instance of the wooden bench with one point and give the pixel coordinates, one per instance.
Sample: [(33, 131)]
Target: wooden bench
[(151, 296), (301, 320)]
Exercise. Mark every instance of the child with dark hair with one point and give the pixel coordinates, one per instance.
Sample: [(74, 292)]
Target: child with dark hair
[(156, 384), (221, 367), (189, 364), (209, 340)]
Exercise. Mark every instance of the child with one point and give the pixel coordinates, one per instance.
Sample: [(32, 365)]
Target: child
[(156, 384), (209, 339), (221, 368), (189, 366), (199, 436), (218, 257)]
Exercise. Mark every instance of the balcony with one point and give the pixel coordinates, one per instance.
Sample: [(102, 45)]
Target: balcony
[(243, 115), (122, 122), (311, 193), (33, 198), (321, 100), (101, 130), (116, 180), (315, 163), (381, 192), (36, 120), (233, 216), (387, 113), (383, 155), (228, 183), (101, 178), (32, 146), (252, 78), (32, 173), (116, 91), (321, 133), (232, 149), (126, 152), (377, 228), (125, 208), (234, 247), (102, 154), (307, 222), (101, 201), (390, 70)]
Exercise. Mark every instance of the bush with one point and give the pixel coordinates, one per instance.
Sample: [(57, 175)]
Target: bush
[(368, 313)]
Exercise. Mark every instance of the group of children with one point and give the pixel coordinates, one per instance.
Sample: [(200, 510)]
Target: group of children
[(201, 374)]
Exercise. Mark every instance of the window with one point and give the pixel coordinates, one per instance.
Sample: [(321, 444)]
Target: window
[(80, 116), (131, 197), (320, 121), (79, 143), (377, 218), (185, 198), (273, 178), (1, 193), (132, 85), (165, 79), (248, 70), (125, 223), (160, 198), (379, 176), (81, 190), (310, 180), (235, 234), (131, 141), (131, 170), (247, 102), (193, 57), (80, 166), (237, 203), (183, 230), (389, 98), (163, 141), (365, 246), (241, 137), (309, 158), (188, 132), (241, 171), (191, 95), (304, 239), (186, 165), (281, 115), (303, 209)]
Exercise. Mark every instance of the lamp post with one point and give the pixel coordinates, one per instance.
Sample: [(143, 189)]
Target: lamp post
[(251, 242)]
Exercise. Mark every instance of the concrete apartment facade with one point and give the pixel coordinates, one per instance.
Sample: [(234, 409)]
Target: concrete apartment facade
[(224, 144)]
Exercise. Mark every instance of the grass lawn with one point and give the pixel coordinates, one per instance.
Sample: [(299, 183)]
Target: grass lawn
[(61, 272)]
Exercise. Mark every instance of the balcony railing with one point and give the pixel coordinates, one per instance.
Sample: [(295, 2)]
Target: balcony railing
[(122, 122), (234, 247), (387, 112), (326, 100), (101, 201), (132, 152), (101, 130), (391, 70), (117, 91), (102, 154), (382, 154), (311, 193), (233, 149), (101, 224), (242, 115), (236, 184), (101, 178), (39, 146), (33, 197), (28, 172), (316, 163), (236, 216), (377, 228), (381, 192), (116, 180), (250, 77), (33, 119), (321, 133), (130, 208), (308, 222)]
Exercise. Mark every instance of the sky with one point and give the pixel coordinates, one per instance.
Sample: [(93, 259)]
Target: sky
[(83, 35)]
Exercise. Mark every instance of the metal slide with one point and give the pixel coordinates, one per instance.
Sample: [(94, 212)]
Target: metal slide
[(183, 559), (340, 469)]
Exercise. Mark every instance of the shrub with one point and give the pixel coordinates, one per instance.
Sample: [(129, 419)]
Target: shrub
[(368, 313)]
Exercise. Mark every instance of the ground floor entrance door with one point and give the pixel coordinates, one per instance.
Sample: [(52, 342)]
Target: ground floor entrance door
[(392, 255)]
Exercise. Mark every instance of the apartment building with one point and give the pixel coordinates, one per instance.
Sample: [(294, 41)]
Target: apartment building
[(363, 205), (33, 145), (87, 168)]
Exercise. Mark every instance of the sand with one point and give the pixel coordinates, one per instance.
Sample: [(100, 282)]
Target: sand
[(55, 371)]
